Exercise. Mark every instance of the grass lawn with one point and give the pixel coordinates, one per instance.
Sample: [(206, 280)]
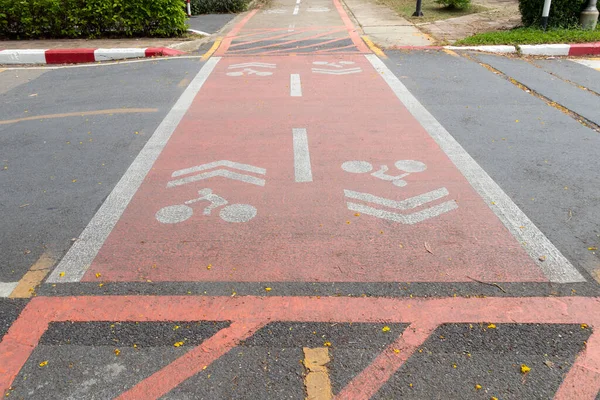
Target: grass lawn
[(431, 10), (532, 36)]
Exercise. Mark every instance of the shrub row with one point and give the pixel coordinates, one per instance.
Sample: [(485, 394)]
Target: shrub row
[(563, 13), (218, 6), (36, 19)]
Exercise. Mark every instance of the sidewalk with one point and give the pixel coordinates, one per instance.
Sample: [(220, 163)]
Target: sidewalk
[(503, 14), (389, 30), (384, 27)]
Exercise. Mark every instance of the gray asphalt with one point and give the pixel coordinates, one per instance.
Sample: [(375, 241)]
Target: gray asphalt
[(543, 159), (41, 208), (210, 23), (546, 162)]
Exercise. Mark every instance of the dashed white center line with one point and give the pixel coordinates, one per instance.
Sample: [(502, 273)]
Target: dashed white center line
[(291, 28), (295, 85), (302, 168), (296, 9)]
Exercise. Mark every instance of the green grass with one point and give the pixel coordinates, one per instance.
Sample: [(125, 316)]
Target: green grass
[(532, 36), (431, 10)]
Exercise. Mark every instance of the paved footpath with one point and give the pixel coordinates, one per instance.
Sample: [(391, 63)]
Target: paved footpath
[(268, 239)]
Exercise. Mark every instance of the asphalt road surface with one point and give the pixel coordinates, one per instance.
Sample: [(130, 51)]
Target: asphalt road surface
[(295, 217)]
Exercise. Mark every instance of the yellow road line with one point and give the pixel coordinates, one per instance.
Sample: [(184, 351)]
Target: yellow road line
[(2, 69), (373, 47), (33, 277), (210, 51), (82, 114), (450, 52), (318, 385), (184, 82)]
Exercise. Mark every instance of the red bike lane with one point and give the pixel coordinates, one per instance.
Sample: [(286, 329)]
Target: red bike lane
[(306, 169)]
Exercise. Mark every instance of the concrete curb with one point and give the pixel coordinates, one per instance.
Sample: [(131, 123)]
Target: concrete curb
[(83, 55), (578, 49)]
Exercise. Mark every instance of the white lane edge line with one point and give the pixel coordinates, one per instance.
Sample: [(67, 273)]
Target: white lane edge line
[(199, 32), (302, 168), (6, 288), (556, 267), (295, 85), (595, 64), (80, 256)]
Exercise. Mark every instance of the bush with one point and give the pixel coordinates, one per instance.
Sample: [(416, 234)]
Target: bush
[(218, 6), (35, 19), (563, 13), (460, 4)]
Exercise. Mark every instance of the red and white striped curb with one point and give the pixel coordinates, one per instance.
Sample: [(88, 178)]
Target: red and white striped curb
[(579, 49), (76, 56)]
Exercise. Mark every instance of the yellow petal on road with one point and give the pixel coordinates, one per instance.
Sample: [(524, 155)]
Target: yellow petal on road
[(44, 363), (525, 369)]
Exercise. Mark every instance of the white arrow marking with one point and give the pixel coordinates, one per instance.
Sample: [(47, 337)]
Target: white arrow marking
[(222, 163), (220, 172), (407, 204), (409, 219)]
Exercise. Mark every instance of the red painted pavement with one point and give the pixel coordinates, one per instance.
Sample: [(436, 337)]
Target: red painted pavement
[(70, 56), (304, 231), (583, 49), (248, 314)]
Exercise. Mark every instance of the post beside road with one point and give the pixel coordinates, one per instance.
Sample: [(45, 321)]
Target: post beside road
[(589, 16)]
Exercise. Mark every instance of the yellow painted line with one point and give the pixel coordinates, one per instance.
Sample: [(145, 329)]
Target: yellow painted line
[(211, 51), (33, 277), (184, 82), (81, 114), (373, 47), (450, 52), (2, 69), (316, 381)]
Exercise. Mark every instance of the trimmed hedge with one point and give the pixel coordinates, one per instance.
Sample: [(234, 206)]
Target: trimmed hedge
[(563, 13), (37, 19), (218, 6)]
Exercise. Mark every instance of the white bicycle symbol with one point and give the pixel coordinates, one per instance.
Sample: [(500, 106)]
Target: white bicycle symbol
[(182, 212), (408, 166)]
